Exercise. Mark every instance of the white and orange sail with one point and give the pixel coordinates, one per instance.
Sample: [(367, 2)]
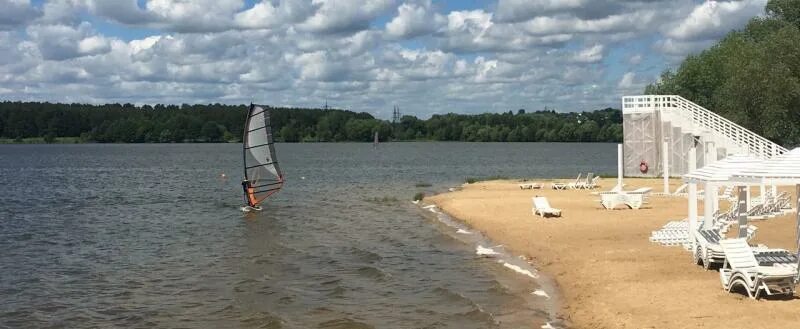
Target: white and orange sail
[(262, 175)]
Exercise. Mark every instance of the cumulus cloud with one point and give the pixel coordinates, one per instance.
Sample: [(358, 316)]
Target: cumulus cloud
[(520, 10), (627, 80), (59, 42), (712, 19), (571, 54), (344, 16), (413, 20), (122, 11), (15, 13), (592, 54)]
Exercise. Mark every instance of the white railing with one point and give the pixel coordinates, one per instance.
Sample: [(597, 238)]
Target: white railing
[(702, 118)]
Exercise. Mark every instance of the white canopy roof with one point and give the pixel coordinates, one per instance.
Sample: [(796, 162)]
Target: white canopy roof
[(783, 169), (722, 170)]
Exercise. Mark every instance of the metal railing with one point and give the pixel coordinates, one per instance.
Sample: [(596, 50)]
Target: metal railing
[(702, 118)]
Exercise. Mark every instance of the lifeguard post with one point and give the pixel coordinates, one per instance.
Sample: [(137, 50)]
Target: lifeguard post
[(660, 130)]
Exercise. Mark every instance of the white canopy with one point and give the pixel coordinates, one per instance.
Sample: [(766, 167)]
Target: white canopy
[(721, 171), (783, 169)]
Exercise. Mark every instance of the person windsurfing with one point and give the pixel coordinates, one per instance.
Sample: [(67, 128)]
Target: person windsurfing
[(250, 194), (262, 175)]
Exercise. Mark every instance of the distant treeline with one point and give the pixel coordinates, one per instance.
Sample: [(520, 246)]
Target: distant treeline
[(126, 123), (751, 76)]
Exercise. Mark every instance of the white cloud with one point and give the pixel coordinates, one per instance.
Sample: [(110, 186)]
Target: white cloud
[(16, 13), (356, 54), (59, 42), (413, 20), (123, 11), (267, 15), (639, 20), (63, 12), (712, 19), (262, 15), (592, 54), (344, 16), (520, 10), (627, 80)]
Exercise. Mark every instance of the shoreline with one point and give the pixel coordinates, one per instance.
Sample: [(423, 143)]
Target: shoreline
[(608, 273), (546, 294)]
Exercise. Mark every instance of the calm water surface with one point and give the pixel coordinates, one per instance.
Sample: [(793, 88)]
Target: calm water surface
[(151, 236)]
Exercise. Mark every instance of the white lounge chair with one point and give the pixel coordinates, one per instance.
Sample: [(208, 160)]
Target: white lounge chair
[(564, 186), (542, 207), (741, 269), (587, 183), (709, 251), (593, 183), (727, 194), (530, 186), (582, 184), (632, 199)]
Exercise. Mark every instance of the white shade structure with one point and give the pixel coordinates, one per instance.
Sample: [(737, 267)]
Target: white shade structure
[(722, 171), (783, 169), (714, 175)]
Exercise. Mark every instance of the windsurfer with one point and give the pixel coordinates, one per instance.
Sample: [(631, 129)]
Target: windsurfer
[(250, 192)]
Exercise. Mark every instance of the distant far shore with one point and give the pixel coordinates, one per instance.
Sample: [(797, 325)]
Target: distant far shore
[(79, 140)]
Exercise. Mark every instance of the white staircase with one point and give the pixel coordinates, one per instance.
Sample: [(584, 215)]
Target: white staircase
[(678, 121), (695, 119)]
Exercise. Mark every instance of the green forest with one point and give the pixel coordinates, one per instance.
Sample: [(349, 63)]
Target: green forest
[(751, 76), (126, 123)]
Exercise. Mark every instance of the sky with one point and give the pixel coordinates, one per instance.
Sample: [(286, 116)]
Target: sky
[(424, 56)]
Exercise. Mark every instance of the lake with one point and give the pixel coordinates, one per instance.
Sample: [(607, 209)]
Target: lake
[(150, 235)]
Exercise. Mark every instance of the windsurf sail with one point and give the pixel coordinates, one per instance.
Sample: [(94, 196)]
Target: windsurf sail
[(262, 175), (375, 141)]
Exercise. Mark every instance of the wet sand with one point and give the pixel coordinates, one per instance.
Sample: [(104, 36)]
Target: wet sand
[(609, 273)]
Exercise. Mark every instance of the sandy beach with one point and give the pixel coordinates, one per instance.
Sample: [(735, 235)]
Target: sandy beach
[(609, 273)]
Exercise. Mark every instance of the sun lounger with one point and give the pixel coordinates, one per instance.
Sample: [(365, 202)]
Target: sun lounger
[(591, 182), (673, 233), (632, 199), (708, 250), (530, 186), (542, 207), (741, 269), (576, 183), (564, 186), (582, 184), (770, 257), (727, 194)]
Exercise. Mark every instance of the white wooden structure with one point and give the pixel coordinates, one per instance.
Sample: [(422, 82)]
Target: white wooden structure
[(661, 130), (781, 170), (713, 176)]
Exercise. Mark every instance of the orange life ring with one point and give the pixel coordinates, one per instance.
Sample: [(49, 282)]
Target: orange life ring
[(643, 167)]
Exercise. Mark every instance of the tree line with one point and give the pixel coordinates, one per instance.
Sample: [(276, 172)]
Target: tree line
[(751, 76), (127, 123)]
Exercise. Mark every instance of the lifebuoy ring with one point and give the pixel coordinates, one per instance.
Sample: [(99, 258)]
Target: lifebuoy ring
[(643, 167)]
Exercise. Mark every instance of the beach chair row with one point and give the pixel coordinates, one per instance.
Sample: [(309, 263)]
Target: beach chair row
[(588, 183)]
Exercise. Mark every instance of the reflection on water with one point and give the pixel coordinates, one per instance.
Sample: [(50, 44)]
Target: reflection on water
[(150, 235)]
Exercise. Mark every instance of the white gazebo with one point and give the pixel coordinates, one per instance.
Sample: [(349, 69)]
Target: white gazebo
[(713, 176), (779, 170)]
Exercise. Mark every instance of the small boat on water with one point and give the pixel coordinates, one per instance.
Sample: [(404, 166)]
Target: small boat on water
[(262, 175)]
